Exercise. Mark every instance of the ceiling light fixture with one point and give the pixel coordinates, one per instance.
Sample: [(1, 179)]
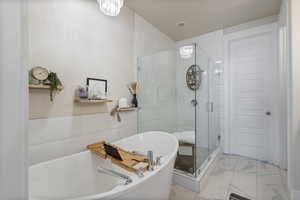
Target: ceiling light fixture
[(111, 7), (186, 52)]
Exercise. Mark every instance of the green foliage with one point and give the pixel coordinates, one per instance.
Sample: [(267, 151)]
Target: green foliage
[(54, 83)]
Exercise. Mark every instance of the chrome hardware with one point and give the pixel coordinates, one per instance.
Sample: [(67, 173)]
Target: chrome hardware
[(140, 173), (211, 107), (194, 102), (158, 160), (150, 160), (268, 113), (113, 173)]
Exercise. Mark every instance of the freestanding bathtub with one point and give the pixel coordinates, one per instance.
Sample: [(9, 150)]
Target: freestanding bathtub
[(75, 177)]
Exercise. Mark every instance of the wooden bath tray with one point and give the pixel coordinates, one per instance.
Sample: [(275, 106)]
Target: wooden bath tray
[(129, 159)]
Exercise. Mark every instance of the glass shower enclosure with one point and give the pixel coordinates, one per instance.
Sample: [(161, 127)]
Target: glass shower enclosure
[(179, 94)]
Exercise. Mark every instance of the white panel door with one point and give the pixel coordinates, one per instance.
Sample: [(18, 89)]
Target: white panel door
[(250, 61)]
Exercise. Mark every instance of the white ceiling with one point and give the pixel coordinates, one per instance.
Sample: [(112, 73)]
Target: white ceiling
[(201, 16)]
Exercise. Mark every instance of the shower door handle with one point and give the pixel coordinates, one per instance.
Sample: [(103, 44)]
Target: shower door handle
[(211, 107)]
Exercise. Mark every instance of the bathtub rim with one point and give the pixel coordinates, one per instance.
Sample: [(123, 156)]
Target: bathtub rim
[(119, 189)]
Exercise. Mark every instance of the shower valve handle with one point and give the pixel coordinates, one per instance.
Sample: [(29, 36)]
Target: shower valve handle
[(194, 102)]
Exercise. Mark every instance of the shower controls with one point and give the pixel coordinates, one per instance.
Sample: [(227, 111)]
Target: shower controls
[(194, 102)]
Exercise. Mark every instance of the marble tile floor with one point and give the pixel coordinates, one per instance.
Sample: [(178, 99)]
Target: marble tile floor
[(252, 179)]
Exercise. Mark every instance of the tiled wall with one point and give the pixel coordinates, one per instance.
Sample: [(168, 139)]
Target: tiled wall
[(57, 137), (210, 50), (158, 92), (166, 100), (187, 114)]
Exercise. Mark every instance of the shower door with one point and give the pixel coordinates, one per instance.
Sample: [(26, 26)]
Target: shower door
[(192, 113), (203, 110)]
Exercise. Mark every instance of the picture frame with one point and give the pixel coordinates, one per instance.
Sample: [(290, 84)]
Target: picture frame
[(97, 88)]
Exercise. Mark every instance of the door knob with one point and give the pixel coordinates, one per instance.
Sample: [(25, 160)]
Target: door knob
[(268, 113)]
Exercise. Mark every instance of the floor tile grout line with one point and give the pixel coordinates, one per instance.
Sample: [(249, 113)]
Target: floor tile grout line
[(234, 171), (232, 167)]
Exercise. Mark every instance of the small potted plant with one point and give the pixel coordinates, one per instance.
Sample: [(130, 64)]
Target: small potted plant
[(55, 84)]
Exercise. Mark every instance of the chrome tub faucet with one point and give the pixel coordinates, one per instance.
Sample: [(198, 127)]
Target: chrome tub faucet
[(113, 173)]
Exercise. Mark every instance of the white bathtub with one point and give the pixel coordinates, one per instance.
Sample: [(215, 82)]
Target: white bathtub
[(76, 177)]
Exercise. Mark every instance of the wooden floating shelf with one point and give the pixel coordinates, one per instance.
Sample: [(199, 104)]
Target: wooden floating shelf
[(128, 109), (91, 101), (41, 86)]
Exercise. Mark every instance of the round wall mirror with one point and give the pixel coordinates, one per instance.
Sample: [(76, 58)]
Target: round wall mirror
[(193, 77)]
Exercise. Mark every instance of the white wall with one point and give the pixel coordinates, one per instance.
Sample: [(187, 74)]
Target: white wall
[(148, 39), (294, 135), (74, 39), (13, 102)]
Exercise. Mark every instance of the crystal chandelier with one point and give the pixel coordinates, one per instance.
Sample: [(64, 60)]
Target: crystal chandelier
[(186, 52), (110, 7)]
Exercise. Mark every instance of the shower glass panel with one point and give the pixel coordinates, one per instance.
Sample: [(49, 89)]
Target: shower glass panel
[(157, 93), (169, 103), (192, 116), (215, 99), (203, 110)]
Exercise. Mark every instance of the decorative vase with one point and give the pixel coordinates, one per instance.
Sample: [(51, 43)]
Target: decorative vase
[(83, 92), (134, 101)]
